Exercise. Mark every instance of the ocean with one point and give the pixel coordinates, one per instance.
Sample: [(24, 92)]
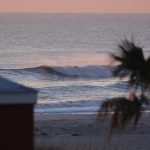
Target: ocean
[(66, 56)]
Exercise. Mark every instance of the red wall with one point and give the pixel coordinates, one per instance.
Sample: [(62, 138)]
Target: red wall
[(16, 127)]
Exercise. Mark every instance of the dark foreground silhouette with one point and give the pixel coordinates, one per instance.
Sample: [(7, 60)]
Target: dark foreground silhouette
[(132, 64), (125, 110)]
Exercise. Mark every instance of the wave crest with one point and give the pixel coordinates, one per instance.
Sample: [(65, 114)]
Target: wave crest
[(68, 71), (77, 72)]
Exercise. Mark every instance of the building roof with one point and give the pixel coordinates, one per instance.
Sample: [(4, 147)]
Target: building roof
[(14, 93)]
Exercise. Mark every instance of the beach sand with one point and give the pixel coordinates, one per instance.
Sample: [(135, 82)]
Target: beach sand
[(83, 132)]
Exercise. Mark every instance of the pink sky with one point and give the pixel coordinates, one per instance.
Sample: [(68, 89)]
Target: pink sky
[(102, 6), (81, 59)]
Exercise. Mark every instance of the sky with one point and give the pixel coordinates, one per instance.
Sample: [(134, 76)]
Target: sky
[(76, 6)]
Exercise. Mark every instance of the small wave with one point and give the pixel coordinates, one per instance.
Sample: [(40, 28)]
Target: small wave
[(68, 71), (82, 106)]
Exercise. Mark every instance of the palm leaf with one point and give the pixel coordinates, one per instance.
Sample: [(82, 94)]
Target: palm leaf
[(124, 111), (131, 59)]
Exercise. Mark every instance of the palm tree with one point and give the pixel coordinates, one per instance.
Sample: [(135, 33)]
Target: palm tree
[(132, 64)]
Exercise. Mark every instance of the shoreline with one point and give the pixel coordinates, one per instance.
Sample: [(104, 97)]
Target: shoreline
[(82, 132)]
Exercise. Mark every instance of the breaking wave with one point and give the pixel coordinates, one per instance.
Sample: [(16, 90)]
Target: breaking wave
[(60, 72), (70, 72)]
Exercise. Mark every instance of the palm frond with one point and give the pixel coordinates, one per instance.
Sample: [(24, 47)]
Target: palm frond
[(131, 59), (145, 79), (124, 111)]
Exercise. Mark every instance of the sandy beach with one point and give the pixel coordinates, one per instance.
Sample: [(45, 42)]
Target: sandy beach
[(83, 132)]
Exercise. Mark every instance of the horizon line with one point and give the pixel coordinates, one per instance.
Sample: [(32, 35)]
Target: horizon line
[(77, 12)]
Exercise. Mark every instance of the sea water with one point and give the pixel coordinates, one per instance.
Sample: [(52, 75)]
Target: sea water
[(66, 56)]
